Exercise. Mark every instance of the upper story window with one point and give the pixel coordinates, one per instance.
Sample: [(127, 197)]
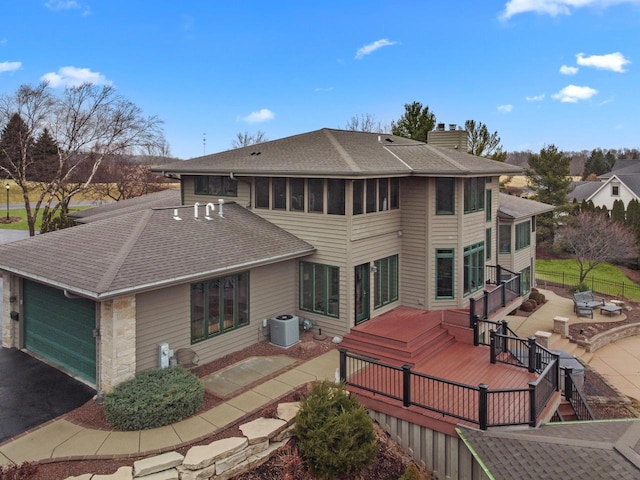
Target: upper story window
[(615, 189), (523, 235), (473, 268), (376, 195), (279, 193), (316, 195), (296, 194), (504, 238), (262, 192), (335, 196), (488, 205), (474, 194), (445, 196), (219, 185)]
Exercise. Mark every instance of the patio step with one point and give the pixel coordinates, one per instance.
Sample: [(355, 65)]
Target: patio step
[(572, 348), (395, 351)]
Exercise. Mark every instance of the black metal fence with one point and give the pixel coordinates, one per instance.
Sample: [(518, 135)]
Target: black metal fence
[(606, 287)]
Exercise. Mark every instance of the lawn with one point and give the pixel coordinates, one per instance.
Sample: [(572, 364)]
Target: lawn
[(608, 277), (22, 214)]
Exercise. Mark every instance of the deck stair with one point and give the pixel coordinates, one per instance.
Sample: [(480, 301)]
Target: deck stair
[(566, 411), (402, 336)]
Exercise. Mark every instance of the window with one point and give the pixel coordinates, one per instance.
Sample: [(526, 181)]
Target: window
[(215, 185), (525, 281), (488, 205), (262, 192), (523, 235), (372, 190), (296, 191), (444, 273), (385, 281), (335, 197), (219, 305), (473, 267), (395, 193), (383, 194), (445, 196), (504, 238), (279, 193), (473, 194), (615, 190), (487, 243), (316, 195), (358, 197), (319, 288)]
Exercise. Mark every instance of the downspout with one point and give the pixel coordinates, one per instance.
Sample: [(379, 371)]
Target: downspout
[(248, 182)]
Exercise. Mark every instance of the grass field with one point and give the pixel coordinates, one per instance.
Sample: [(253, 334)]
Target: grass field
[(22, 214), (605, 273)]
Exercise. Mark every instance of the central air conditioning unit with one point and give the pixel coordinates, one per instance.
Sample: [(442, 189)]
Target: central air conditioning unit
[(285, 330)]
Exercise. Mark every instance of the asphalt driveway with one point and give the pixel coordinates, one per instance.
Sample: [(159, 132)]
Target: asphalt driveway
[(32, 393)]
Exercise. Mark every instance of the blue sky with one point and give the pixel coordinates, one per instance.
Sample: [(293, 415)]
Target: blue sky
[(540, 72)]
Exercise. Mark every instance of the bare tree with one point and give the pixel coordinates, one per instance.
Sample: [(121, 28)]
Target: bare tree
[(245, 139), (120, 178), (87, 124), (365, 122), (595, 239)]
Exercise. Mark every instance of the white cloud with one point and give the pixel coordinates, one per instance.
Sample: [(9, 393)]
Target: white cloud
[(10, 66), (574, 94), (61, 4), (505, 108), (567, 70), (262, 115), (535, 98), (323, 89), (555, 7), (611, 61), (73, 77), (372, 47)]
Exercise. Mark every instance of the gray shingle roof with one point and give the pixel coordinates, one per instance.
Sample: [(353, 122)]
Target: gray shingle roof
[(510, 206), (163, 199), (149, 249), (342, 153), (571, 451)]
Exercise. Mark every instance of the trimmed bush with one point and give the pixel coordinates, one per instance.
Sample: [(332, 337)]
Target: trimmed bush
[(154, 398), (533, 303), (335, 433), (538, 297), (526, 306)]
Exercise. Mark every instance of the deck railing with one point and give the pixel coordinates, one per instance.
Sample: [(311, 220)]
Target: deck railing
[(507, 290), (575, 397), (478, 405)]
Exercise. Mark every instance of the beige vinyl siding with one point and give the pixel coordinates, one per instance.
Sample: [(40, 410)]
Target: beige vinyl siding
[(415, 242), (189, 197), (165, 316)]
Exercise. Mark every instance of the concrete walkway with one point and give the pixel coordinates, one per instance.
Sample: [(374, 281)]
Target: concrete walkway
[(61, 438)]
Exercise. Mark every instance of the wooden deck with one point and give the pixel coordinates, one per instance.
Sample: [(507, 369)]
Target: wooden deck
[(405, 336)]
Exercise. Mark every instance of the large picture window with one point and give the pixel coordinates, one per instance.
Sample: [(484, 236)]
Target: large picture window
[(219, 305), (215, 185), (320, 289), (445, 196), (523, 235), (474, 194), (385, 281), (473, 267), (444, 273)]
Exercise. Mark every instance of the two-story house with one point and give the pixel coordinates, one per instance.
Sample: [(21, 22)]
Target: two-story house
[(333, 227)]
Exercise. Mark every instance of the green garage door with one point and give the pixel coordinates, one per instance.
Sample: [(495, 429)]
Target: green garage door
[(60, 329)]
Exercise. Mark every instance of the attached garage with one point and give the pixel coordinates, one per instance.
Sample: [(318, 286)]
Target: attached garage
[(60, 329)]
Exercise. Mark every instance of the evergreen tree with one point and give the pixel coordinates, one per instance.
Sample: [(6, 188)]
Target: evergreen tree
[(633, 217), (617, 212), (415, 123), (596, 164), (16, 145), (45, 158)]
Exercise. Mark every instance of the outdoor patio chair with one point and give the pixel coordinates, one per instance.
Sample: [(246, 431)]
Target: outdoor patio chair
[(585, 300)]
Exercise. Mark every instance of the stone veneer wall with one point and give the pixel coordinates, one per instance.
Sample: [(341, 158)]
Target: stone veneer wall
[(219, 460), (117, 345)]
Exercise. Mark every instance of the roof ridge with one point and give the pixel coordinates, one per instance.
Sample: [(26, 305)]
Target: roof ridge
[(123, 253), (447, 157), (343, 153)]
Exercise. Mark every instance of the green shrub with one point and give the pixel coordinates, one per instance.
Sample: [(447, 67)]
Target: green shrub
[(412, 473), (154, 398), (334, 432)]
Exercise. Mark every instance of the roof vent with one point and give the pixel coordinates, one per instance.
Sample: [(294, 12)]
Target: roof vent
[(440, 127), (220, 203), (390, 140), (208, 209), (195, 210), (452, 127), (175, 214)]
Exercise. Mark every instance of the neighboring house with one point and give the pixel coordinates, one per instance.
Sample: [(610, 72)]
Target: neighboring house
[(336, 227), (622, 183)]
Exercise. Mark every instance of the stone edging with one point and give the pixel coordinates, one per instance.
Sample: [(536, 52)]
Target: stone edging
[(609, 336)]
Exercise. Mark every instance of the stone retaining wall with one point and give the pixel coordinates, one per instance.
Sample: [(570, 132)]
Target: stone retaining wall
[(609, 336), (219, 460)]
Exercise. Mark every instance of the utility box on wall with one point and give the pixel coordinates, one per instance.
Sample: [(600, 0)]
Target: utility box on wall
[(164, 355)]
